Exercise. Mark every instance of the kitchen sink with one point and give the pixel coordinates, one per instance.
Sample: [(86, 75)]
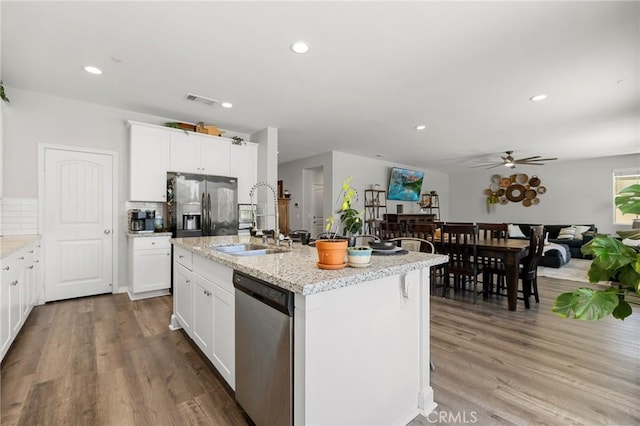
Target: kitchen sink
[(248, 249)]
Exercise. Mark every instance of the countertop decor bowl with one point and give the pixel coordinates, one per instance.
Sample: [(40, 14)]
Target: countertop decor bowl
[(382, 245)]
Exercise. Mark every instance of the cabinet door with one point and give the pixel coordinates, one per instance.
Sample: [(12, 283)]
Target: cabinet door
[(185, 153), (224, 334), (149, 156), (15, 300), (10, 275), (203, 314), (183, 296), (214, 156), (152, 270), (28, 277), (243, 164)]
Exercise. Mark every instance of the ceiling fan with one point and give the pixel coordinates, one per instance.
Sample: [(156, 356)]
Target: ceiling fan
[(511, 162)]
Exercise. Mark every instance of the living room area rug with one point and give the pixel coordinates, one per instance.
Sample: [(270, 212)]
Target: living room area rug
[(574, 270)]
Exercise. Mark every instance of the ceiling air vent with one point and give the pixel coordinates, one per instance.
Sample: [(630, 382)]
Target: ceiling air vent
[(201, 99)]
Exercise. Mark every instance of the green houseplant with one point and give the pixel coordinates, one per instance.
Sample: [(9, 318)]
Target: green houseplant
[(332, 250), (612, 260)]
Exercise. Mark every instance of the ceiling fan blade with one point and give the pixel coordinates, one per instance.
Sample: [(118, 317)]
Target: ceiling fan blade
[(528, 158), (532, 164), (545, 159)]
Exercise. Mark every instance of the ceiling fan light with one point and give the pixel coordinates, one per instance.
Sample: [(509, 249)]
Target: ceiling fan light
[(509, 164)]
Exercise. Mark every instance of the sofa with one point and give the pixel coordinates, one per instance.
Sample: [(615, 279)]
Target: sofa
[(572, 246)]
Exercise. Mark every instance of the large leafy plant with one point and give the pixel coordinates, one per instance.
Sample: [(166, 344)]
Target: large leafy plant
[(628, 200), (612, 261)]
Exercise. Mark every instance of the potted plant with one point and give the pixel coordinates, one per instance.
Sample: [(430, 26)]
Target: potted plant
[(612, 260), (628, 201), (332, 250)]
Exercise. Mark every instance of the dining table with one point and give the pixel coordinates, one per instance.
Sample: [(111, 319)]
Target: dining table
[(510, 252)]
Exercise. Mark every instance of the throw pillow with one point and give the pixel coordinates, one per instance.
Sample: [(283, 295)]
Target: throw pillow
[(580, 229), (515, 231), (567, 233)]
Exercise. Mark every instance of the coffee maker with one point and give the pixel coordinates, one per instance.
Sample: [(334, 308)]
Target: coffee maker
[(141, 220)]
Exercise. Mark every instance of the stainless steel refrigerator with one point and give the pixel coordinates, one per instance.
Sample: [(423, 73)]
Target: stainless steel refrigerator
[(202, 205)]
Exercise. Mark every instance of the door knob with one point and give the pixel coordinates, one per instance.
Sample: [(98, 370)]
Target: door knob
[(107, 231)]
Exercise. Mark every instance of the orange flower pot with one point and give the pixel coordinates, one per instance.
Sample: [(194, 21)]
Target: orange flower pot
[(331, 253)]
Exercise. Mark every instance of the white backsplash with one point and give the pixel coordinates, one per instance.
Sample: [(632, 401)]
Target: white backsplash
[(19, 216)]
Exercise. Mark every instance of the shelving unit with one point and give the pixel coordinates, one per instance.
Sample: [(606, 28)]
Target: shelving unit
[(432, 205), (375, 207)]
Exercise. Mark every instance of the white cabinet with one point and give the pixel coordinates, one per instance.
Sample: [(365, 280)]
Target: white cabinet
[(183, 296), (19, 289), (150, 269), (194, 153), (203, 314), (243, 164), (149, 162), (209, 316), (223, 342)]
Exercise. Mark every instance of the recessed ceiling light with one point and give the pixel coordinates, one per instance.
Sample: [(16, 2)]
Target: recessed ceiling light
[(93, 70), (299, 47), (537, 98), (421, 127), (226, 105)]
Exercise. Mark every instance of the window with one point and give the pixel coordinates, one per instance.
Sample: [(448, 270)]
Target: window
[(622, 179)]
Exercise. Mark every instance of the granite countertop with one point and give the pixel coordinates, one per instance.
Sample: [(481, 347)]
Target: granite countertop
[(296, 270), (147, 234), (10, 244)]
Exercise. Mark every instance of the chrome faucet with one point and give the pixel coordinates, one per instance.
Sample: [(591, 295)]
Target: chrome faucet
[(276, 234)]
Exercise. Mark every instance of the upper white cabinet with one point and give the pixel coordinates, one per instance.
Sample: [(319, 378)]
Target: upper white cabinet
[(149, 156), (194, 153), (243, 164)]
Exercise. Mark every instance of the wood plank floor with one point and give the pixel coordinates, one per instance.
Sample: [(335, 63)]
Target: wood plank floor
[(107, 361)]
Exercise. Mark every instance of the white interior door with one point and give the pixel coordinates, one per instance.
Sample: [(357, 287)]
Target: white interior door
[(317, 205), (78, 223)]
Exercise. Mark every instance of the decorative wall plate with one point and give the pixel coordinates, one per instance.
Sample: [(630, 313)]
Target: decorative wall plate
[(534, 181), (542, 190), (522, 178), (515, 193)]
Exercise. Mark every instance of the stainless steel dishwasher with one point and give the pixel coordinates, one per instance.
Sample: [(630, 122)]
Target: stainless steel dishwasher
[(264, 350)]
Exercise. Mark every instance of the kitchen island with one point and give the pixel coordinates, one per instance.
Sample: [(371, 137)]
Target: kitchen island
[(360, 335)]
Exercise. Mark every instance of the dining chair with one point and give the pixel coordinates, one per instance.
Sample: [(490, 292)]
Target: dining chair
[(492, 267), (459, 242), (529, 266), (528, 269)]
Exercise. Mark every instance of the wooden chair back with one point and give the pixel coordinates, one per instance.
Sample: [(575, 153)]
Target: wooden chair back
[(492, 231), (459, 242), (390, 230), (536, 247)]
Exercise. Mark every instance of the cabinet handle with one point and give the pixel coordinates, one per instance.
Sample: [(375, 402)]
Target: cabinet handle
[(188, 281), (15, 282), (30, 267), (36, 261), (152, 243), (21, 258), (107, 231), (6, 268), (31, 251), (180, 256), (168, 254)]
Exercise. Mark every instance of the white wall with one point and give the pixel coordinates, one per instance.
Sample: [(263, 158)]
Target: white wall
[(34, 118), (365, 171), (578, 192)]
